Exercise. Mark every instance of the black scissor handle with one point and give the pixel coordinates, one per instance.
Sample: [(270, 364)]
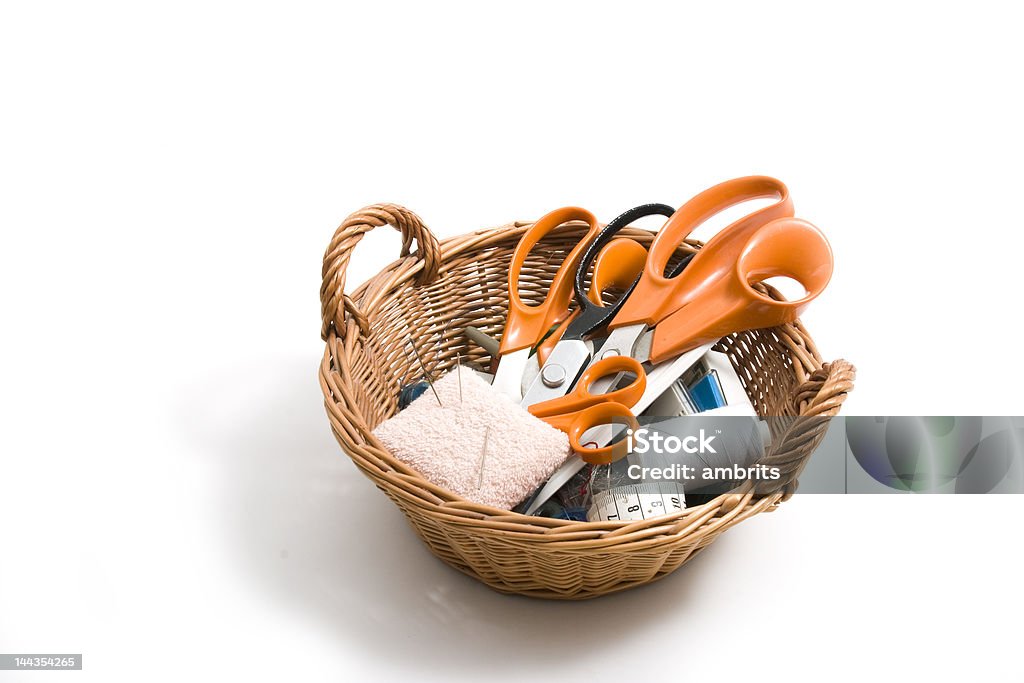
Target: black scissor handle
[(592, 316)]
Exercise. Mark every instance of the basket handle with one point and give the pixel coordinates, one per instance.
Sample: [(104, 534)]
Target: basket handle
[(334, 303), (817, 399), (826, 388)]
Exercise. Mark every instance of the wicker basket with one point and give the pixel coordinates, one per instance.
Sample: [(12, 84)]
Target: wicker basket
[(431, 294)]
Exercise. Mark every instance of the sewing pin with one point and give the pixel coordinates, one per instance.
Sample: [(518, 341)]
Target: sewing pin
[(426, 375), (483, 457), (458, 370)]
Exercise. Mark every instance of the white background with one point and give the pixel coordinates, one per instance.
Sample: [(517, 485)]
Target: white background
[(172, 503)]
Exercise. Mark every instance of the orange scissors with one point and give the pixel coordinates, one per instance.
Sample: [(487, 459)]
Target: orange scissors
[(618, 264), (713, 296), (526, 325), (581, 410)]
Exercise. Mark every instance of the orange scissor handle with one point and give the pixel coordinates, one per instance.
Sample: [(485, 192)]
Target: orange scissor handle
[(656, 296), (558, 411), (579, 411), (575, 425), (617, 266), (595, 416), (786, 247), (527, 324)]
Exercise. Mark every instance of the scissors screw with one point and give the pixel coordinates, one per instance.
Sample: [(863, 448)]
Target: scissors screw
[(553, 376), (608, 353)]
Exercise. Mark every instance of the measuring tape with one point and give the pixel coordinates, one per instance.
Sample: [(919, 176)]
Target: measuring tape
[(635, 502)]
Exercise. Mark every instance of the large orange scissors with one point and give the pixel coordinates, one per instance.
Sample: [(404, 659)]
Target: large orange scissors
[(618, 264), (713, 296)]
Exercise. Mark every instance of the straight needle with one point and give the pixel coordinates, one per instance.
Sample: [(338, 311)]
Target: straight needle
[(483, 458), (426, 375)]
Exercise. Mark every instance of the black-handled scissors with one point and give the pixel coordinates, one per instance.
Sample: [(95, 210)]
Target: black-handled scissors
[(611, 265)]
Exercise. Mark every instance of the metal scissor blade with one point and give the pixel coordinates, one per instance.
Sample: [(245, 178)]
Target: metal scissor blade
[(559, 373), (510, 373), (642, 347), (533, 365), (620, 342)]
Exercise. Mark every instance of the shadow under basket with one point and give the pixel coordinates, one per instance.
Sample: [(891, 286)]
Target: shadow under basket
[(429, 296)]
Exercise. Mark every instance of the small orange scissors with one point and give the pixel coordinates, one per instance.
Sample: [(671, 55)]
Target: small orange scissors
[(580, 410), (586, 408)]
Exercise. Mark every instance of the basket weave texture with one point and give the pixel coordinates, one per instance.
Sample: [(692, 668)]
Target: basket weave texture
[(429, 296)]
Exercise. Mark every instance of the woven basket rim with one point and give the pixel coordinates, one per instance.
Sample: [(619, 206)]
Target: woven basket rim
[(401, 482)]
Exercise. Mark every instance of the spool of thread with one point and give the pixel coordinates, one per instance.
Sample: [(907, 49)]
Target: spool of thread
[(410, 392), (556, 510)]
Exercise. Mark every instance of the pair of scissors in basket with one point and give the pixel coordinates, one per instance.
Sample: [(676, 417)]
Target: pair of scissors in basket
[(618, 263), (715, 289), (581, 410), (665, 315)]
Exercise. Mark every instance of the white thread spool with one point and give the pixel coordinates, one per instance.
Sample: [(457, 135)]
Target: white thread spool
[(693, 450)]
